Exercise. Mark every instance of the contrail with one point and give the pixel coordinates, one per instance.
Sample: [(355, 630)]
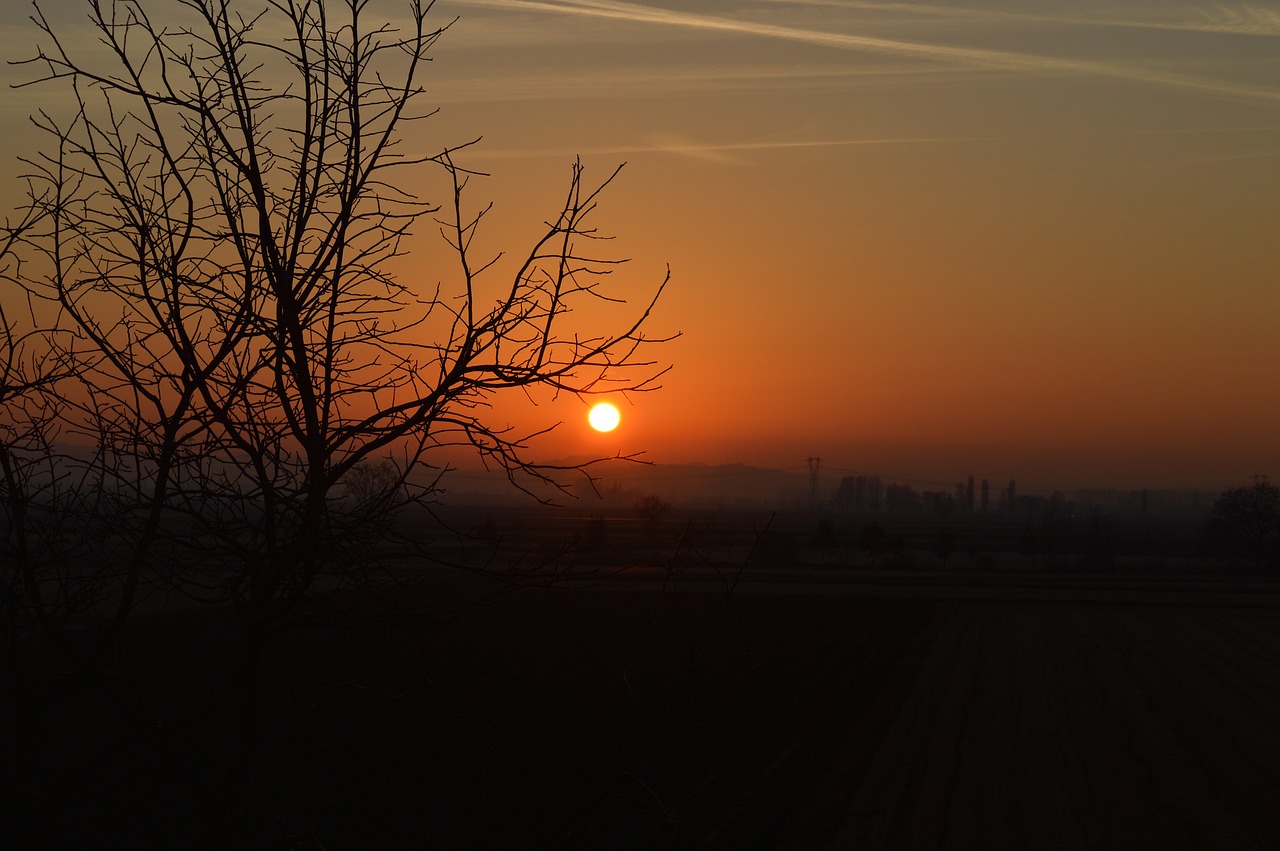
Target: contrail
[(1229, 20), (613, 83), (720, 152), (997, 59)]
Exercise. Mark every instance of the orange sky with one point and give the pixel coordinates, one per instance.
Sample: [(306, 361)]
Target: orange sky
[(990, 238)]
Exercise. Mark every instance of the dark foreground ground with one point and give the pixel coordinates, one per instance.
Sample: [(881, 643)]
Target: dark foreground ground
[(815, 712)]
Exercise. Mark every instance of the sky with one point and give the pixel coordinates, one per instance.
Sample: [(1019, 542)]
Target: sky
[(1032, 240)]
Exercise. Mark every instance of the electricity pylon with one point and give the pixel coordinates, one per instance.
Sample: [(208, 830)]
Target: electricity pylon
[(815, 464)]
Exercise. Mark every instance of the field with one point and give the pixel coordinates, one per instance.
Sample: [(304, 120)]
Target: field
[(691, 705), (1078, 720)]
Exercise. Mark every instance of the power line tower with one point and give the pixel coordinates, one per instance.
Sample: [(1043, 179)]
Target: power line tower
[(815, 464)]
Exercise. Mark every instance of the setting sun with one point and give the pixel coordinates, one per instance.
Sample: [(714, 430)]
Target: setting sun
[(604, 417)]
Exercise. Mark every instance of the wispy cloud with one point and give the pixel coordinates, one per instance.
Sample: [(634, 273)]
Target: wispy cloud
[(721, 153), (725, 153), (1009, 61), (612, 83), (1244, 20), (1233, 19)]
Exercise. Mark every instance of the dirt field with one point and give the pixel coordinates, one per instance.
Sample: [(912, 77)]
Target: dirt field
[(1067, 726), (815, 710)]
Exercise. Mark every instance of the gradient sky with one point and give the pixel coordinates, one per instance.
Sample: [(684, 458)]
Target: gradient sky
[(1036, 239)]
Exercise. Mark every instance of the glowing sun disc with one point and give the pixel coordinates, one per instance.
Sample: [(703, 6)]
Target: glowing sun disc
[(604, 417)]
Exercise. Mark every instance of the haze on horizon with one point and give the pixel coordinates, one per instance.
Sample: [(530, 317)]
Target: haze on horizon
[(994, 238)]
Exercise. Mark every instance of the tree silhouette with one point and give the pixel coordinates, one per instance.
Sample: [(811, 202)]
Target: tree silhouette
[(901, 498), (1008, 499), (31, 484), (944, 545), (1249, 518), (652, 509), (823, 536), (221, 217), (874, 540), (860, 493)]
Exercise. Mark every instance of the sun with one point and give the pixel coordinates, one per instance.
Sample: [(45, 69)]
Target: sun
[(604, 417)]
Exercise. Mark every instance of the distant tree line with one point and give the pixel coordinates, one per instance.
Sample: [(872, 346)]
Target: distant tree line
[(864, 493), (869, 494), (1242, 521)]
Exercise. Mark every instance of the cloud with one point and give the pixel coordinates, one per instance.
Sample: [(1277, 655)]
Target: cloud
[(666, 81), (720, 153), (684, 147), (724, 152), (1009, 61), (1241, 20), (1233, 20)]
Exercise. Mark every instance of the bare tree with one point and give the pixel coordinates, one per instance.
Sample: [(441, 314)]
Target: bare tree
[(1248, 518), (652, 510), (26, 473), (225, 204)]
